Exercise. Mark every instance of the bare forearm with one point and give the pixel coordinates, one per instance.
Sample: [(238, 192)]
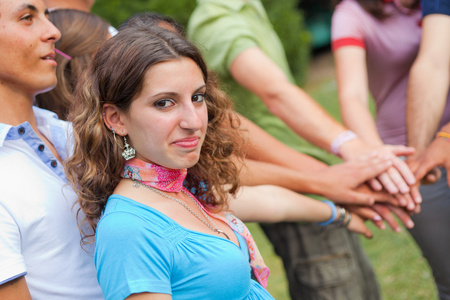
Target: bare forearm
[(353, 92), (425, 105), (261, 173), (275, 204), (429, 82), (261, 146), (356, 116), (256, 72), (304, 115)]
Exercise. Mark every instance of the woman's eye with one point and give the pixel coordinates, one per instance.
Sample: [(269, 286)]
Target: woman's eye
[(164, 103), (198, 98)]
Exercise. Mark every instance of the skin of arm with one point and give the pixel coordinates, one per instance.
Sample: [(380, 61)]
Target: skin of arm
[(300, 112), (353, 91), (428, 84), (16, 289), (437, 154), (341, 183), (283, 166), (149, 296), (271, 204), (253, 70), (256, 148)]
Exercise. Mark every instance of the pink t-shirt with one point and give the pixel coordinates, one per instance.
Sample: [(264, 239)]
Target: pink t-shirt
[(391, 46)]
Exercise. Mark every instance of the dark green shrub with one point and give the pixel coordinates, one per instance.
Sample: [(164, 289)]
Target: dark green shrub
[(287, 20), (117, 11)]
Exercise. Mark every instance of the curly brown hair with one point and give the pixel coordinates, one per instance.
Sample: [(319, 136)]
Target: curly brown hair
[(116, 77)]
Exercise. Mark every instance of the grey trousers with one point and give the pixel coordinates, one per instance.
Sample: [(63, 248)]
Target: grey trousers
[(432, 232), (323, 262)]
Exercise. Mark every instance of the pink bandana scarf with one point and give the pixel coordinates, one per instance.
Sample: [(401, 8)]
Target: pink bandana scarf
[(170, 180)]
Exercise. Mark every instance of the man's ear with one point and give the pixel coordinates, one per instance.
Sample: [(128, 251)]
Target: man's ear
[(112, 117)]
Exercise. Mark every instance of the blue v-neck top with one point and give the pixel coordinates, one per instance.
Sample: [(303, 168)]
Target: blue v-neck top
[(139, 249)]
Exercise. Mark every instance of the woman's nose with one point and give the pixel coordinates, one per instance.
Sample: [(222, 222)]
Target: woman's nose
[(192, 117)]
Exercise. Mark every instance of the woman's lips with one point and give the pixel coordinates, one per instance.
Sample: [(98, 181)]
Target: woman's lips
[(190, 142)]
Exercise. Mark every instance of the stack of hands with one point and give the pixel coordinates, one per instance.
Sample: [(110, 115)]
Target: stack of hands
[(376, 183)]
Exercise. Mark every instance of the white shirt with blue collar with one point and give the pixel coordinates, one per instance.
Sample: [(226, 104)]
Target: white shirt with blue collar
[(39, 236)]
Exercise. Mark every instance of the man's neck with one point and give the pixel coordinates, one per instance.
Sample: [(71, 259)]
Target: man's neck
[(16, 108)]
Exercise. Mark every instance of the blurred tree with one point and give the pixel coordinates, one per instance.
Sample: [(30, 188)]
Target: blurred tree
[(285, 16), (288, 22), (117, 11)]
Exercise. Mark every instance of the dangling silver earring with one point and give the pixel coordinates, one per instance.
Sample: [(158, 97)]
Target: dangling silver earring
[(128, 151)]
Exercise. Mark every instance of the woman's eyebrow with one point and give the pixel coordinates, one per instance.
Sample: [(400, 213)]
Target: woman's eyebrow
[(200, 88)]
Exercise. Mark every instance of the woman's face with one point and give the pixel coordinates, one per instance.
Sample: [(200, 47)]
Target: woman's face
[(27, 46), (167, 122)]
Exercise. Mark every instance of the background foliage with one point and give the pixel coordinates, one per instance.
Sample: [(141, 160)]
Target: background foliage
[(285, 16)]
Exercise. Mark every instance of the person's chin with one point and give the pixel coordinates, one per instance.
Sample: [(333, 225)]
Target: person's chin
[(189, 161)]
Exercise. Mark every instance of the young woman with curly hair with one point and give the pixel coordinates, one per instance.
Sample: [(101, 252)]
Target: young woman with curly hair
[(150, 90)]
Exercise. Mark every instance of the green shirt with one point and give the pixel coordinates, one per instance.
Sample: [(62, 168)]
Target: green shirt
[(223, 29)]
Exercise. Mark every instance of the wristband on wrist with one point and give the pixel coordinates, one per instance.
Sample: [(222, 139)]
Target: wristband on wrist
[(341, 139), (342, 214), (349, 218), (333, 213), (443, 135)]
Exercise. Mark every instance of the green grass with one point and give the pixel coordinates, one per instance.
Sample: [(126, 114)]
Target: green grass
[(401, 270)]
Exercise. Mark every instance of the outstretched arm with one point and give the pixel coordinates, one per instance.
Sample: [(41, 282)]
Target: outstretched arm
[(341, 183), (261, 146), (281, 165), (351, 71), (259, 74), (275, 204), (428, 84)]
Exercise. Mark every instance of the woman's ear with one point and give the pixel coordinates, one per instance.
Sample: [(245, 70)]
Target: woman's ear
[(112, 117)]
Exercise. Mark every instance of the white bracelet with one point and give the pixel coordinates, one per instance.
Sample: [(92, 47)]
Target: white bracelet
[(341, 139)]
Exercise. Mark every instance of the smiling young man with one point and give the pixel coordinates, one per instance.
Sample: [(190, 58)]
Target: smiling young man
[(41, 257)]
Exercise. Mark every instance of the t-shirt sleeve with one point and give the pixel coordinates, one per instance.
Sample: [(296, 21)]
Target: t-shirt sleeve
[(435, 7), (221, 33), (347, 25), (12, 264), (131, 257)]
